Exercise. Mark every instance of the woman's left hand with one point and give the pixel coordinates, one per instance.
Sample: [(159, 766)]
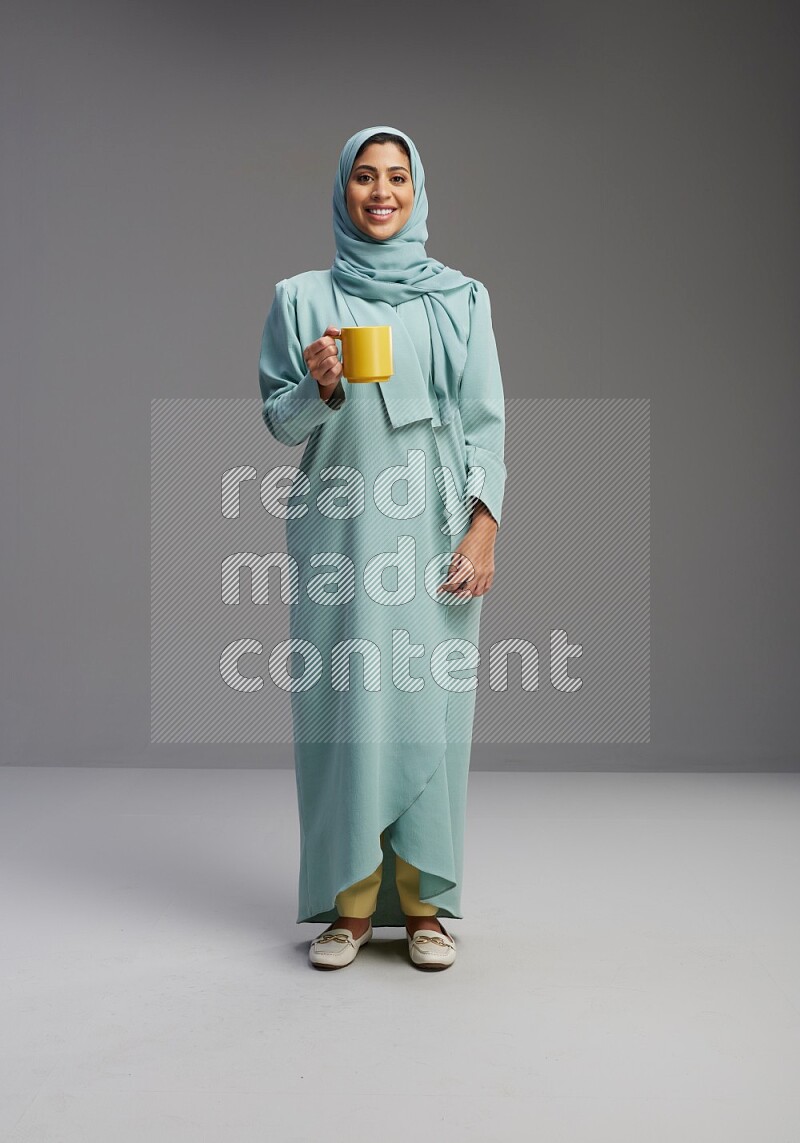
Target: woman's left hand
[(473, 559)]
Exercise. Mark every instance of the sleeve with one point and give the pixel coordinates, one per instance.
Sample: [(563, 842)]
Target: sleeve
[(291, 403), (483, 411)]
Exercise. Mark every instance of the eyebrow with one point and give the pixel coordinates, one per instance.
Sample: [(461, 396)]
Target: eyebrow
[(367, 167)]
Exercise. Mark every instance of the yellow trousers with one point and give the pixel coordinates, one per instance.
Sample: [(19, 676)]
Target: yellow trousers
[(360, 899)]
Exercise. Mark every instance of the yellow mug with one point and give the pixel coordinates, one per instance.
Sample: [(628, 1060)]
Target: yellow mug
[(366, 352)]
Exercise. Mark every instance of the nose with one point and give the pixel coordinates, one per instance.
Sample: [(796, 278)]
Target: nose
[(379, 192)]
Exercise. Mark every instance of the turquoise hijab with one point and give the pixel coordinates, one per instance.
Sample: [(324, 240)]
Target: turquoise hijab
[(396, 269)]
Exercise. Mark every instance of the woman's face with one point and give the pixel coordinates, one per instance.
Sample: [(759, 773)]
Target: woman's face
[(380, 178)]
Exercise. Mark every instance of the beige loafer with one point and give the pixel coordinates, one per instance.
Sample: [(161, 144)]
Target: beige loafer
[(429, 948), (336, 947)]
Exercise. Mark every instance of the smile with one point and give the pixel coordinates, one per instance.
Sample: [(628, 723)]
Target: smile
[(380, 211)]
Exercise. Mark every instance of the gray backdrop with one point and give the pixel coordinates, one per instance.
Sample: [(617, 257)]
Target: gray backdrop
[(623, 177)]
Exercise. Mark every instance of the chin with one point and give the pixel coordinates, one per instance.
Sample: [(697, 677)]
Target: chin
[(380, 233)]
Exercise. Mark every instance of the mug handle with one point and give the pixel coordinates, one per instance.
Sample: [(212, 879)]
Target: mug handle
[(338, 337)]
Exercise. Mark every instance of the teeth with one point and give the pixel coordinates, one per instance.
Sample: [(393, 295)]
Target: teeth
[(379, 210)]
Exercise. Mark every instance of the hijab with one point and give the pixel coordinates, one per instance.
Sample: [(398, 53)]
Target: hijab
[(388, 271)]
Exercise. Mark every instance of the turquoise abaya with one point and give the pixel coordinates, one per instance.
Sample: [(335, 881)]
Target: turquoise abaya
[(385, 666)]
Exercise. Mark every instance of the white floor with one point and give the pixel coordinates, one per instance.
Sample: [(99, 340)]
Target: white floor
[(628, 967)]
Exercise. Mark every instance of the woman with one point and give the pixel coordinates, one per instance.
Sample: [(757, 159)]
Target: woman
[(403, 476)]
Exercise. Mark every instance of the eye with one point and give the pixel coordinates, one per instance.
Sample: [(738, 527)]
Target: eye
[(364, 175)]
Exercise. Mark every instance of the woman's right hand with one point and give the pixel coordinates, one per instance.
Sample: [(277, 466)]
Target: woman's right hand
[(322, 359)]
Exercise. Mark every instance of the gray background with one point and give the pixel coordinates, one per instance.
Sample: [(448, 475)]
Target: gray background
[(623, 177)]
